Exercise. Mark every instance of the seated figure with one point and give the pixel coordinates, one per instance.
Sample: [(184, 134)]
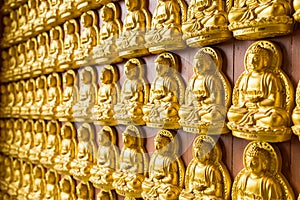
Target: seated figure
[(16, 180), (165, 32), (88, 37), (134, 94), (296, 113), (86, 149), (32, 15), (259, 107), (13, 15), (8, 173), (85, 191), (67, 10), (29, 98), (10, 99), (109, 195), (261, 177), (27, 140), (69, 97), (49, 109), (207, 96), (166, 94), (52, 15), (107, 157), (247, 17), (133, 164), (55, 49), (27, 181), (52, 188), (39, 183), (40, 21), (106, 51), (19, 98), (21, 61), (31, 57), (206, 176), (67, 149), (86, 95), (39, 141), (166, 170), (67, 188), (71, 44), (51, 149), (108, 93), (18, 138), (206, 23), (42, 53), (137, 21), (40, 96), (22, 21), (9, 136)]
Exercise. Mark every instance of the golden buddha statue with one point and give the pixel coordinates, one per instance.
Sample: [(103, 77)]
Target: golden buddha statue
[(19, 98), (39, 183), (131, 42), (206, 176), (68, 10), (27, 181), (68, 149), (55, 49), (40, 96), (52, 16), (166, 94), (261, 176), (85, 157), (87, 94), (22, 21), (8, 175), (85, 191), (207, 96), (12, 52), (88, 37), (13, 15), (5, 65), (71, 44), (165, 33), (206, 23), (40, 21), (134, 94), (42, 53), (107, 96), (69, 97), (296, 113), (166, 170), (18, 138), (133, 164), (21, 61), (3, 100), (107, 195), (32, 16), (252, 19), (67, 188), (52, 187), (10, 99), (24, 150), (39, 141), (262, 97), (29, 98), (53, 96), (106, 50), (6, 30), (52, 146), (107, 157), (9, 136), (31, 57), (16, 180)]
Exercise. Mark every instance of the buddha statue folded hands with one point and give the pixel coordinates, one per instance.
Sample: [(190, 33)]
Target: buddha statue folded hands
[(133, 165), (107, 157), (134, 94), (207, 95), (85, 157), (166, 169), (131, 42), (262, 97), (165, 33), (166, 94)]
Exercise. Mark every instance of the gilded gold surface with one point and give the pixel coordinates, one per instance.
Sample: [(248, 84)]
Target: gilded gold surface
[(134, 94), (206, 175), (261, 176), (67, 188), (85, 191), (68, 10), (27, 140), (166, 169), (133, 164), (32, 15), (206, 23), (41, 21), (42, 53), (38, 183), (40, 98), (39, 141), (52, 187), (252, 19), (52, 15), (165, 32), (166, 94), (27, 180), (295, 114), (207, 96), (263, 97)]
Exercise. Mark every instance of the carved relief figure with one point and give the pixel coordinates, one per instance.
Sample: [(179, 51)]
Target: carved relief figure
[(85, 191), (131, 42), (108, 94), (107, 157), (43, 9), (85, 157), (134, 94), (165, 33), (262, 97), (166, 169), (27, 181), (207, 95), (18, 138), (52, 188), (39, 183), (32, 15), (67, 188), (39, 141), (16, 182), (29, 97), (31, 57), (52, 15), (27, 140), (261, 177), (21, 61), (40, 96), (42, 53), (166, 94), (19, 98), (23, 14), (68, 10), (133, 164)]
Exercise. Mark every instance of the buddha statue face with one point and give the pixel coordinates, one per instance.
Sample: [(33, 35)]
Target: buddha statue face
[(51, 129), (129, 139), (40, 83), (18, 125), (29, 86), (50, 178), (104, 137), (86, 20), (131, 71), (27, 127), (37, 172), (52, 81), (132, 5), (9, 124), (162, 65), (54, 34), (203, 62), (106, 76), (203, 151), (68, 80), (39, 127), (83, 134), (69, 28), (107, 14), (257, 160), (66, 132), (12, 51), (42, 39), (161, 143), (4, 55), (257, 59), (86, 77)]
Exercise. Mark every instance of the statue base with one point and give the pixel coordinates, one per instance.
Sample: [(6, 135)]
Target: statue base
[(164, 125), (124, 53), (209, 38), (166, 46)]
